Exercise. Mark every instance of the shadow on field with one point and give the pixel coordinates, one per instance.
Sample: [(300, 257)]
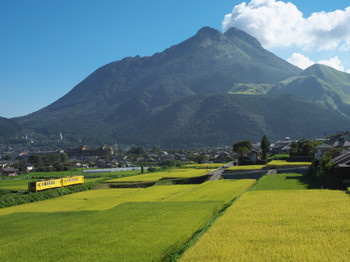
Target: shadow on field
[(305, 180)]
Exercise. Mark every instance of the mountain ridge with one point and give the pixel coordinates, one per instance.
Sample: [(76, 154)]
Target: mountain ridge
[(157, 99)]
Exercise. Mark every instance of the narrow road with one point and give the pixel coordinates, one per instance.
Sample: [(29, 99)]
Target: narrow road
[(216, 174)]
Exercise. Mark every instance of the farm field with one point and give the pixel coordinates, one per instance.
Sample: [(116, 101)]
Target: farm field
[(141, 224), (273, 163), (288, 181), (279, 225), (173, 173), (204, 166), (279, 163), (246, 168)]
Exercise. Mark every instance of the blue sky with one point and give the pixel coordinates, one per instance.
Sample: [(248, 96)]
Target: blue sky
[(48, 47)]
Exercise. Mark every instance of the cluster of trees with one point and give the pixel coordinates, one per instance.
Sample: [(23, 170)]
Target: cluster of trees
[(304, 148), (323, 170), (242, 148), (50, 162)]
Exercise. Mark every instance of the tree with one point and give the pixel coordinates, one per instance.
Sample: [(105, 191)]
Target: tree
[(265, 147), (242, 147), (140, 151), (156, 150), (64, 157), (303, 148)]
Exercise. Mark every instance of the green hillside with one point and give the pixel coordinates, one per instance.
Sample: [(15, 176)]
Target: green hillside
[(322, 84), (8, 128), (220, 119)]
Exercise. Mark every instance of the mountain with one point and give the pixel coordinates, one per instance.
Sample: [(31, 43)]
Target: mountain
[(8, 128), (322, 84), (191, 94), (218, 119)]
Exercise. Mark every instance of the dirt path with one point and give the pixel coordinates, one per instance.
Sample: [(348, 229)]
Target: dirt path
[(216, 174)]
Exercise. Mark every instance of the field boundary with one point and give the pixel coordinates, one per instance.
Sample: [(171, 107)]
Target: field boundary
[(174, 256)]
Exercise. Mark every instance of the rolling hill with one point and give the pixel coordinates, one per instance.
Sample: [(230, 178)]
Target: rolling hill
[(321, 84)]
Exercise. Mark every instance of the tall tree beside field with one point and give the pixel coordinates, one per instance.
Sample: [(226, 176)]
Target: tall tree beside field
[(242, 148), (265, 147)]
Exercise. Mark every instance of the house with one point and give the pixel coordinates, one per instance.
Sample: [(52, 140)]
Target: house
[(8, 171), (343, 169), (251, 157), (320, 150), (341, 143)]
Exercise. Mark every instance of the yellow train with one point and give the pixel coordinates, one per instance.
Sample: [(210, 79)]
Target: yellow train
[(55, 183)]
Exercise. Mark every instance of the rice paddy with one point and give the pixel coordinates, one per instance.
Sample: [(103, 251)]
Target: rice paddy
[(279, 163), (205, 166), (174, 173), (282, 218), (142, 224), (284, 225), (289, 181)]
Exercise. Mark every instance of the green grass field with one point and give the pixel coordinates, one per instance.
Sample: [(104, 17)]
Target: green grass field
[(141, 224), (290, 181), (279, 225)]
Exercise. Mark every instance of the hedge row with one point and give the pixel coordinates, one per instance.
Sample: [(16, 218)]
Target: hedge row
[(12, 199)]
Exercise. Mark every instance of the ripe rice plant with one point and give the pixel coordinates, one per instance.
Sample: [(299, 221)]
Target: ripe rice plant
[(146, 231), (174, 173), (279, 163), (289, 181), (221, 190), (204, 166), (143, 224), (291, 225), (246, 168)]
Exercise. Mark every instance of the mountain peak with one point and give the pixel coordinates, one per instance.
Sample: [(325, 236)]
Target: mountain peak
[(207, 31), (234, 33)]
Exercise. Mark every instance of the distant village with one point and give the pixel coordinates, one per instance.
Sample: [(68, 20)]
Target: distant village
[(14, 161)]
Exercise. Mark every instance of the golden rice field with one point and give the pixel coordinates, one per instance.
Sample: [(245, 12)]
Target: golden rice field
[(273, 163), (141, 224), (278, 163), (205, 166), (173, 173), (291, 225), (245, 168)]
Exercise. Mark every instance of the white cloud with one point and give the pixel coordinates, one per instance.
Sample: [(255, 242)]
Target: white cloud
[(304, 62), (300, 60), (276, 23), (333, 62)]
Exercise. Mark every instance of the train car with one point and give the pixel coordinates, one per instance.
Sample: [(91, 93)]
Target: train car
[(55, 183), (74, 180)]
